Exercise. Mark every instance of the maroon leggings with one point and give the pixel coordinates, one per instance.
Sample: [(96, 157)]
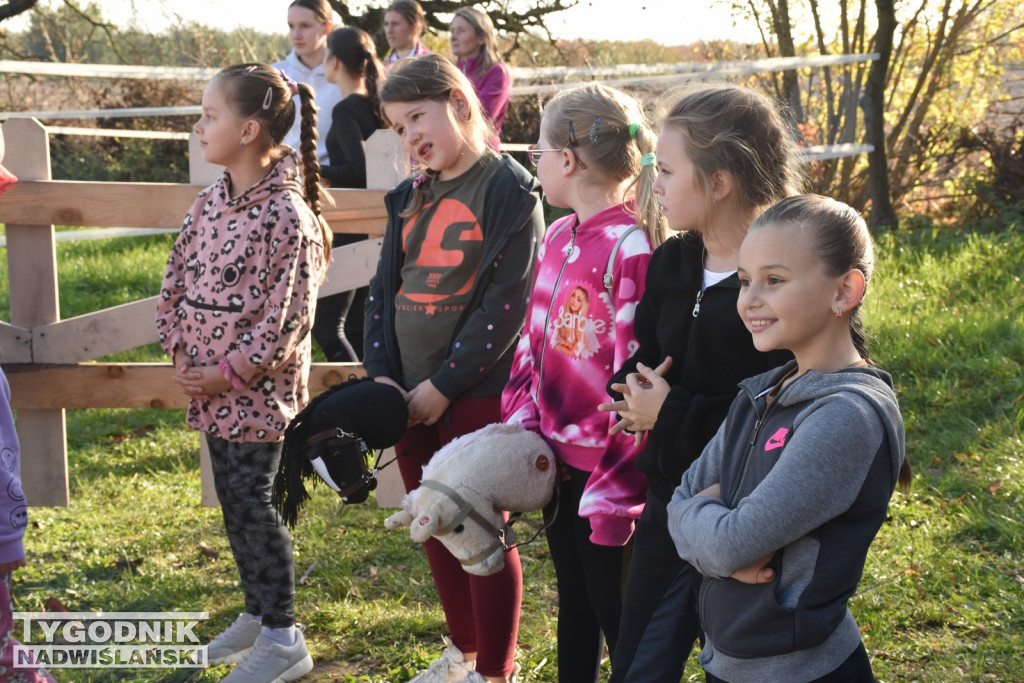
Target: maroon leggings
[(482, 611)]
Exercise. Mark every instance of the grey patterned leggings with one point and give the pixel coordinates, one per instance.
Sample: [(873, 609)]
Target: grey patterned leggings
[(243, 475)]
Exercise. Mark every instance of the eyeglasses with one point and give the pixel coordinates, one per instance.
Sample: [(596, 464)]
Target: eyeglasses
[(534, 152)]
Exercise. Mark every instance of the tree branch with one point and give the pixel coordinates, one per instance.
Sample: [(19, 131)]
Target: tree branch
[(13, 8)]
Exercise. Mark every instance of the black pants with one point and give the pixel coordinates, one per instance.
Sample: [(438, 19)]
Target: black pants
[(243, 476), (659, 611), (589, 586), (856, 669), (338, 323)]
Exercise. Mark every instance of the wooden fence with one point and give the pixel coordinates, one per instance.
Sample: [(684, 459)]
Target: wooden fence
[(542, 81), (50, 362)]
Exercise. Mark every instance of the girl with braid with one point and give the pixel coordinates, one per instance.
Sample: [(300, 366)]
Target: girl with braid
[(235, 310)]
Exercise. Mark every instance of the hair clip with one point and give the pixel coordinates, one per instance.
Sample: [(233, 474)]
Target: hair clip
[(293, 87), (268, 99), (595, 130), (634, 128), (419, 180), (573, 142), (647, 159)]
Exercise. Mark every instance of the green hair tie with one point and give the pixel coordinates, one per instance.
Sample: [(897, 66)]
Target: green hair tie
[(647, 159), (633, 129)]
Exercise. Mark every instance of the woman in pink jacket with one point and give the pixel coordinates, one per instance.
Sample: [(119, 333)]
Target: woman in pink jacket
[(472, 42)]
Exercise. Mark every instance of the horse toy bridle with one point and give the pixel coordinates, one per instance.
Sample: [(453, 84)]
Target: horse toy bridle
[(338, 437), (503, 537)]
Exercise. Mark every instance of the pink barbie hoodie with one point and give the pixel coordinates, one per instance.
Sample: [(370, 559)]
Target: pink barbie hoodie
[(576, 334), (241, 284)]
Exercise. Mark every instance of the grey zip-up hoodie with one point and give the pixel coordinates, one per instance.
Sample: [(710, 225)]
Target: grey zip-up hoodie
[(806, 476)]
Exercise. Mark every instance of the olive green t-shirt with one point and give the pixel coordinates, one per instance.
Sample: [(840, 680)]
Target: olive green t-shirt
[(443, 245)]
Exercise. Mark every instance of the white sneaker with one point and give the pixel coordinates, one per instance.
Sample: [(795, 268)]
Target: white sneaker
[(271, 662), (235, 642), (476, 677), (451, 666)]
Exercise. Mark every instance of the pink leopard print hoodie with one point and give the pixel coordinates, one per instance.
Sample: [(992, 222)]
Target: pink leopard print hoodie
[(576, 335), (241, 282)]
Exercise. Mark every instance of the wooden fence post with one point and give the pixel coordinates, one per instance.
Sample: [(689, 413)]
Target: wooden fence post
[(386, 165), (386, 161), (32, 273), (201, 172)]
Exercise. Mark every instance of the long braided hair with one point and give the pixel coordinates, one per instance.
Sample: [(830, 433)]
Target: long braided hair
[(262, 93)]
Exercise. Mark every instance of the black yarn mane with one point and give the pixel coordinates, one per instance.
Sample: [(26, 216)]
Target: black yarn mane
[(289, 493)]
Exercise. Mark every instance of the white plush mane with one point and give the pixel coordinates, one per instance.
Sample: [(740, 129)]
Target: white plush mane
[(460, 443)]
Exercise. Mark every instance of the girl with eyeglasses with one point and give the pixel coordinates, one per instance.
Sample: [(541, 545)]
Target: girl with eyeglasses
[(594, 156)]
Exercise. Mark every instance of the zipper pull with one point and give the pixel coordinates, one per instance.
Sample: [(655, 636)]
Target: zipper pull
[(753, 435), (696, 305)]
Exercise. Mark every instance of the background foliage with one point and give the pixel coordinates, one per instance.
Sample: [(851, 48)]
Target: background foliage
[(955, 87)]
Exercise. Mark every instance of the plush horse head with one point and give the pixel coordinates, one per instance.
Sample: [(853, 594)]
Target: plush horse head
[(333, 438), (466, 486)]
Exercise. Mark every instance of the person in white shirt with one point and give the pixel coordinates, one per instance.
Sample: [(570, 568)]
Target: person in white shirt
[(309, 24)]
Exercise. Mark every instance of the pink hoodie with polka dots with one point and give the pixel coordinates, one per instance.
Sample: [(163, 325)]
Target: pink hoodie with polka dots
[(578, 331)]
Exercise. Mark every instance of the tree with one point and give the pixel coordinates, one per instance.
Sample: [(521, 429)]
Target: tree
[(71, 33), (943, 73), (882, 211)]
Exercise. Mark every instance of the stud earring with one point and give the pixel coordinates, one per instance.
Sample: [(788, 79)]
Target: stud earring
[(839, 312), (714, 202), (241, 143)]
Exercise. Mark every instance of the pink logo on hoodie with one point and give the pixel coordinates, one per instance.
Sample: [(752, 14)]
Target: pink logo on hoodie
[(776, 440)]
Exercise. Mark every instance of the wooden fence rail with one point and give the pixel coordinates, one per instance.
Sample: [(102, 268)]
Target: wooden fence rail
[(48, 359)]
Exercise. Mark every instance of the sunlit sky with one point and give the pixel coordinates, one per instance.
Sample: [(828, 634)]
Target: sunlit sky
[(670, 22)]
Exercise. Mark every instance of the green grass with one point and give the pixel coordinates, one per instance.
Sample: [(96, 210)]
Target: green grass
[(941, 598)]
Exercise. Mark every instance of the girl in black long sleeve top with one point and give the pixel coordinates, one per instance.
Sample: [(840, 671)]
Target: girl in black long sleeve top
[(724, 155), (352, 65)]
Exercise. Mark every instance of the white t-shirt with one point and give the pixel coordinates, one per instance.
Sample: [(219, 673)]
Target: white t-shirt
[(327, 95), (713, 278)]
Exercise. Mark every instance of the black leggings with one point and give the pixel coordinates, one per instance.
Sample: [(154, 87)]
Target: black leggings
[(856, 669), (589, 586), (659, 617), (338, 322), (243, 476), (338, 325)]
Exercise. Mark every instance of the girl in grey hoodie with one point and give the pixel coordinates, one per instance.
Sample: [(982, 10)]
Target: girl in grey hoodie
[(780, 509)]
